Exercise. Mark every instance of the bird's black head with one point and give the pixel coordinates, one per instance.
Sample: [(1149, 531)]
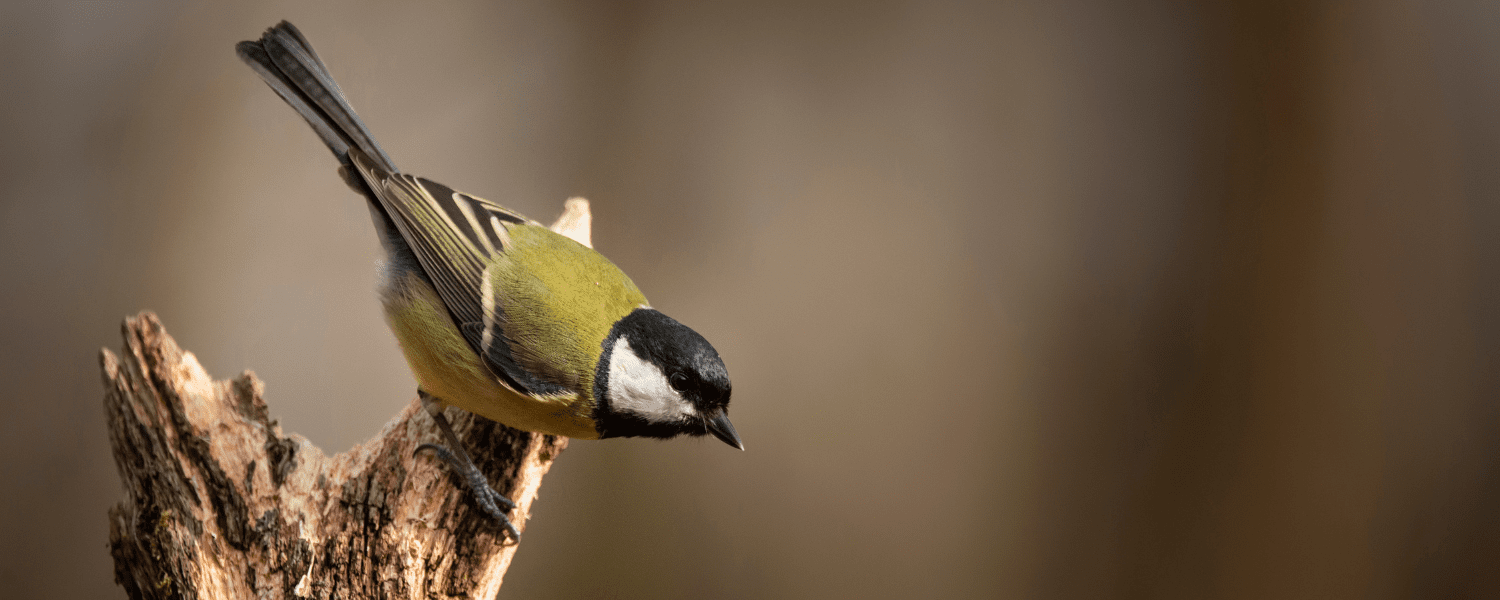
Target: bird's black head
[(658, 378)]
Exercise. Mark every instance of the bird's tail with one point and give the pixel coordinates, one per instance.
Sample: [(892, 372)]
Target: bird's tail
[(287, 63)]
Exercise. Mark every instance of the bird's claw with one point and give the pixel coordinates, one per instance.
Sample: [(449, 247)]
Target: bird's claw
[(490, 501)]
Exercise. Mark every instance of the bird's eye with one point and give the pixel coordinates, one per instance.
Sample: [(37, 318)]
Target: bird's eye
[(679, 382)]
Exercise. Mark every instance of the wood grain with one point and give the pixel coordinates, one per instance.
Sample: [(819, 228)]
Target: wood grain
[(221, 503)]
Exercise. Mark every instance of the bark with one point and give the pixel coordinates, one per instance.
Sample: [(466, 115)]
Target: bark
[(220, 503)]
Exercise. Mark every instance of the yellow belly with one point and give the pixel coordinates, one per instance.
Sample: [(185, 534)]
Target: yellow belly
[(447, 368)]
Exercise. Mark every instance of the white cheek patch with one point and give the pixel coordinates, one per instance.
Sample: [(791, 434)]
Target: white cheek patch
[(639, 387)]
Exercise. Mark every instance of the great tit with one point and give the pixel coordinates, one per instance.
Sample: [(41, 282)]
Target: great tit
[(497, 314)]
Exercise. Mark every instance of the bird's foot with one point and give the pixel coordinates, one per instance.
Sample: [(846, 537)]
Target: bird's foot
[(490, 501), (493, 503)]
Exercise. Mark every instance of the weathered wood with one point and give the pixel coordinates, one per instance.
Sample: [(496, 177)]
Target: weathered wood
[(220, 503)]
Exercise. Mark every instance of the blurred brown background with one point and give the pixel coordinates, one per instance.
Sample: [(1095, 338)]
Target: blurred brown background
[(1031, 299)]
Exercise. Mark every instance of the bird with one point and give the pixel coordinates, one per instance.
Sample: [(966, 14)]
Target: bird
[(497, 314)]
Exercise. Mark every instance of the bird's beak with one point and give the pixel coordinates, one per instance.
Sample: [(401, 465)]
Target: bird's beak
[(720, 426)]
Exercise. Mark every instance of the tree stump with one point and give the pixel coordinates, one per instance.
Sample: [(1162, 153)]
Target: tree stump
[(220, 503)]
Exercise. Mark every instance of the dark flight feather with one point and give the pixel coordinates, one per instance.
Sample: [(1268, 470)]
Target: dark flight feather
[(433, 220)]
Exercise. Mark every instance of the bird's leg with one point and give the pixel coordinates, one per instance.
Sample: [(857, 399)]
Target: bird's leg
[(491, 501)]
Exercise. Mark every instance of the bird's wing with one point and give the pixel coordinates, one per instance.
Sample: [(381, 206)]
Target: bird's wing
[(457, 238)]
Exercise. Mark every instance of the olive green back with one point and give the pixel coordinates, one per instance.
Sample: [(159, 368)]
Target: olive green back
[(557, 294)]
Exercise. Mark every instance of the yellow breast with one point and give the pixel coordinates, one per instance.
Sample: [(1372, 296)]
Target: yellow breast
[(447, 368)]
